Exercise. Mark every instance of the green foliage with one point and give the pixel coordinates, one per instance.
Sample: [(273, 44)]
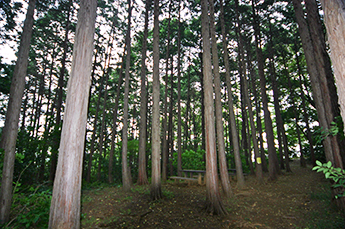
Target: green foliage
[(30, 207), (335, 174), (323, 133), (192, 159)]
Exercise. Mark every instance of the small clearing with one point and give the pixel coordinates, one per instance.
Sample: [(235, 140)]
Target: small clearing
[(296, 200)]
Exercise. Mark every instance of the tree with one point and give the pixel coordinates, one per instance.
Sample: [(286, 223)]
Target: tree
[(219, 110), (272, 155), (65, 205), (214, 204), (233, 129), (142, 176), (334, 19), (10, 131), (156, 191), (126, 172)]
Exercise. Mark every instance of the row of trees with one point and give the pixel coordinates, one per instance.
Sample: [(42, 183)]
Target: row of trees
[(199, 79)]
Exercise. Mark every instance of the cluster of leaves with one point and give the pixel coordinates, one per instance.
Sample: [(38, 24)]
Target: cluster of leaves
[(192, 160), (335, 174), (31, 207)]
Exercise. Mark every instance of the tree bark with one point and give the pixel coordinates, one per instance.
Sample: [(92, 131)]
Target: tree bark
[(214, 204), (223, 168), (65, 205), (142, 174), (233, 128), (334, 19), (126, 172), (10, 131), (165, 150), (272, 155), (156, 191)]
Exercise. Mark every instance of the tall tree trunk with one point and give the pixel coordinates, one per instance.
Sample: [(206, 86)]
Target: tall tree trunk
[(233, 128), (272, 155), (223, 168), (156, 191), (257, 109), (244, 81), (334, 11), (179, 122), (165, 118), (319, 86), (142, 174), (126, 172), (10, 131), (65, 204), (171, 116), (214, 204), (305, 113)]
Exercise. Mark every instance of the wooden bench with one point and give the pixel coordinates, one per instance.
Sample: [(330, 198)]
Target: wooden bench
[(183, 178)]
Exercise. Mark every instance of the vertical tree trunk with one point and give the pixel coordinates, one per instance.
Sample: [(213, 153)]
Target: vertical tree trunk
[(223, 168), (10, 131), (142, 175), (214, 204), (244, 81), (179, 122), (272, 155), (319, 86), (156, 191), (334, 20), (233, 128), (126, 172), (165, 114), (65, 205)]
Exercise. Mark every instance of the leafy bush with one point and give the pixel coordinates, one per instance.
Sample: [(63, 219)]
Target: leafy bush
[(31, 207), (336, 174), (191, 159)]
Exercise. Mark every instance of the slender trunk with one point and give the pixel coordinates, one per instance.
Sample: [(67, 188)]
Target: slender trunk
[(165, 118), (142, 174), (233, 126), (10, 130), (214, 204), (272, 155), (223, 168), (179, 122), (156, 191), (126, 172)]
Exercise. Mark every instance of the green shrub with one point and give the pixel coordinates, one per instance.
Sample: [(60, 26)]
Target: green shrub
[(335, 174)]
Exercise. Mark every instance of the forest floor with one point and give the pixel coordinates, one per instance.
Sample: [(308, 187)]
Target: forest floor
[(296, 200)]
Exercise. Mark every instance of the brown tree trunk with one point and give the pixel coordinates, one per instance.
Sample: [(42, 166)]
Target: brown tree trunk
[(10, 131), (214, 204), (223, 168), (65, 204), (233, 128), (244, 81), (156, 191), (126, 172), (319, 83), (272, 155), (165, 150), (335, 20), (142, 174)]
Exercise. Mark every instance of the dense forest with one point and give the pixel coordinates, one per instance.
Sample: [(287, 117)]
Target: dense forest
[(134, 92)]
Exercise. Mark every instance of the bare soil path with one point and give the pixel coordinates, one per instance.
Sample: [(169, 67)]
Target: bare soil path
[(297, 200)]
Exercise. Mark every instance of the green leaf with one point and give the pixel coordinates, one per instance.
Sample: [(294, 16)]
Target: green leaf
[(329, 164), (327, 175), (318, 163)]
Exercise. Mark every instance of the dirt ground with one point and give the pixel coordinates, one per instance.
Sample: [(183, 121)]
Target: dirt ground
[(296, 200)]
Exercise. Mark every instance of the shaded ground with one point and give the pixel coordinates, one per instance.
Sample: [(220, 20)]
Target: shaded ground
[(297, 200)]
